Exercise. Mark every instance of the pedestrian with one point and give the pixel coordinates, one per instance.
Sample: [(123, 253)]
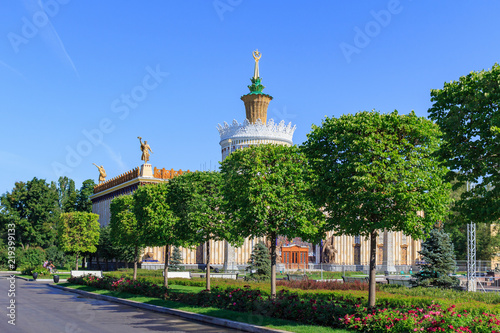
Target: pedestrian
[(51, 267)]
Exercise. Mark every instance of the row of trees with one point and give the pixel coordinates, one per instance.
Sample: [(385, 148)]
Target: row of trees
[(356, 175), (35, 208)]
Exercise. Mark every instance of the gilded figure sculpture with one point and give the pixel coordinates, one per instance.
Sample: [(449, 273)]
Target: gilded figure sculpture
[(256, 55), (145, 150), (102, 173)]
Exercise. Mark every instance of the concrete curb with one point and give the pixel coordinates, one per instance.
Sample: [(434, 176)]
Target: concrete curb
[(180, 313), (40, 280)]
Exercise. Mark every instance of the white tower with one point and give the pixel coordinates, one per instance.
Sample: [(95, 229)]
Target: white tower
[(255, 130)]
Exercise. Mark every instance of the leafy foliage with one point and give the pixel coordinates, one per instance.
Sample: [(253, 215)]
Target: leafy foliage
[(265, 194), (376, 171), (67, 194), (196, 200), (79, 232), (125, 232), (437, 252), (58, 257), (33, 208), (259, 263), (30, 257), (467, 111), (156, 221), (83, 202)]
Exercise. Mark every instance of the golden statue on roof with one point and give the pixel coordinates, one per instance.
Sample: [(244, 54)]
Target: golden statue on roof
[(256, 55), (102, 173), (145, 148)]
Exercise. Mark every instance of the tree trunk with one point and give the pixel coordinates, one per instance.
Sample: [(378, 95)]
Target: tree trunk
[(373, 268), (273, 265), (76, 261), (165, 268), (84, 262), (136, 249), (208, 265), (98, 260), (90, 262)]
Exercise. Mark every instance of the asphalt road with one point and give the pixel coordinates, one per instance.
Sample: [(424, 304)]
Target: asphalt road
[(36, 307)]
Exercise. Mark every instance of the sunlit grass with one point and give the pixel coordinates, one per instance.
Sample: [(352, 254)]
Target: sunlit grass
[(214, 312)]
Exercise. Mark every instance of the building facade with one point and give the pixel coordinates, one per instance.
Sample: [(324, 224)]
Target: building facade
[(395, 251)]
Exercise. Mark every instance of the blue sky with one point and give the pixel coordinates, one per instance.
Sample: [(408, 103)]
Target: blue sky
[(81, 80)]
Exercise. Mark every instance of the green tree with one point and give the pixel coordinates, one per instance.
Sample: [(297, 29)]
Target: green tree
[(176, 259), (467, 112), (79, 232), (259, 264), (157, 223), (105, 248), (265, 195), (195, 199), (124, 228), (376, 171), (67, 194), (33, 208), (83, 202), (439, 256)]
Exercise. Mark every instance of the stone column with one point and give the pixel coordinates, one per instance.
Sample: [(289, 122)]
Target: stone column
[(388, 261), (229, 258)]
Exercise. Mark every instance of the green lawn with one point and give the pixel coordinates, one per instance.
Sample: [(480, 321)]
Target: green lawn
[(214, 312)]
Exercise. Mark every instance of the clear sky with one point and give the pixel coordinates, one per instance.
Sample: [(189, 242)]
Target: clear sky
[(81, 80)]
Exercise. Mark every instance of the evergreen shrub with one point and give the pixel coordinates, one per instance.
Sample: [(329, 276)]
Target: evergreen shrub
[(259, 264)]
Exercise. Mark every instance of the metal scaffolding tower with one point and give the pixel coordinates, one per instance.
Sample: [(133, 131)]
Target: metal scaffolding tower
[(471, 257)]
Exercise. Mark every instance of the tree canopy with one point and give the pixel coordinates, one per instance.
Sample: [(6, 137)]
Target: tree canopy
[(266, 195), (156, 221), (123, 225), (33, 208), (79, 232), (467, 111), (83, 202), (376, 171), (196, 199)]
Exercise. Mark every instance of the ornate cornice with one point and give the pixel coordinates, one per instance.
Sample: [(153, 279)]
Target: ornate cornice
[(269, 130)]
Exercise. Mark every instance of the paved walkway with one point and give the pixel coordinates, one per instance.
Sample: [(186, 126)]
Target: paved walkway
[(40, 308)]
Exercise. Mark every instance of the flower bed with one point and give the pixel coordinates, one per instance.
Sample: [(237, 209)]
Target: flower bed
[(319, 308)]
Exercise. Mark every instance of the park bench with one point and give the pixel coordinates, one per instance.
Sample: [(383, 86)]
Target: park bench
[(296, 277), (355, 278), (180, 275), (85, 273), (231, 276), (400, 282)]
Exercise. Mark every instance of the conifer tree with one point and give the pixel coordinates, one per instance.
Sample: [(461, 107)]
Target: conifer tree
[(176, 259), (259, 263), (439, 256)]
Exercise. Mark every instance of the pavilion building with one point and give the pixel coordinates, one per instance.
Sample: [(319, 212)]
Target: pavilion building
[(395, 251)]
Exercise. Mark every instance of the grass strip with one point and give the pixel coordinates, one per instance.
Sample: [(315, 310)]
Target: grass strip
[(214, 312)]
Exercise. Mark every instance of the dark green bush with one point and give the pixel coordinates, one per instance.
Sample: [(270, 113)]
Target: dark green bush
[(30, 257)]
